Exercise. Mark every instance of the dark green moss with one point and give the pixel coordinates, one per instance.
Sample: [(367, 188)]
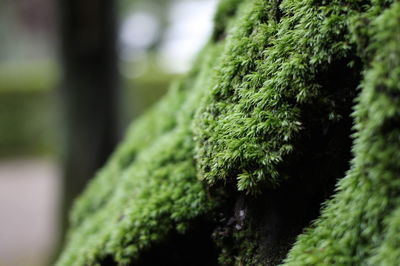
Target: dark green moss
[(149, 188), (264, 120), (357, 226), (273, 78)]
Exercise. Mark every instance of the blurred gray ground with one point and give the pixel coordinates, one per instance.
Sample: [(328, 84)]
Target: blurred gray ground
[(29, 192)]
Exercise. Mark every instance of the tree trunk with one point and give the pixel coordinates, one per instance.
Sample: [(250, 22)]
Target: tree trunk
[(89, 90)]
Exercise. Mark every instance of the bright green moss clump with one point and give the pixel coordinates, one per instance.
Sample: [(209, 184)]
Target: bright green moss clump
[(273, 78), (360, 226), (149, 188), (263, 118)]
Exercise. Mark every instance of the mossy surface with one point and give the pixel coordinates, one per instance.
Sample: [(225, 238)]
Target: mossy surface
[(149, 188), (263, 119), (359, 226), (275, 75)]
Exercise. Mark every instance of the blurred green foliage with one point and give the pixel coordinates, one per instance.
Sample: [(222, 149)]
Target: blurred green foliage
[(30, 116), (27, 122), (28, 76), (28, 110)]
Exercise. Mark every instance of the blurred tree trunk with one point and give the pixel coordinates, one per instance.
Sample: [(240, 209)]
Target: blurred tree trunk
[(89, 90)]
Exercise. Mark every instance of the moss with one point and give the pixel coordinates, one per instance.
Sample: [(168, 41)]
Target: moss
[(264, 120), (225, 11), (240, 247), (149, 187), (274, 76), (358, 225)]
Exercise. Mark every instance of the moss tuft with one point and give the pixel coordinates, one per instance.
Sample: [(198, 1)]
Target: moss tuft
[(275, 74)]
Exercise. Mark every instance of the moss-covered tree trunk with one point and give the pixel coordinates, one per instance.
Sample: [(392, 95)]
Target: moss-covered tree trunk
[(280, 146)]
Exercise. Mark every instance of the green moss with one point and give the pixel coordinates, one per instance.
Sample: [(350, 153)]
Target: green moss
[(149, 188), (359, 226), (241, 249), (225, 11), (272, 79), (267, 102)]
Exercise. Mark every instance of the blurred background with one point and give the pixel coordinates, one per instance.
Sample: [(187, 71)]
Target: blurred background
[(73, 75)]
